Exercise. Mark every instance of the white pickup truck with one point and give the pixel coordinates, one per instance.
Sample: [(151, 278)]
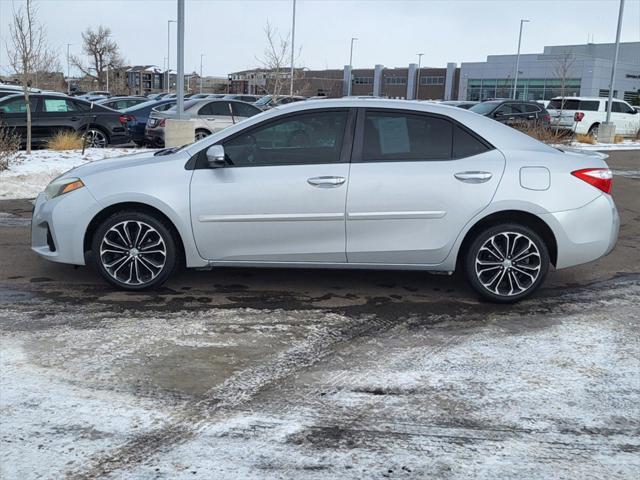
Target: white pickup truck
[(585, 114)]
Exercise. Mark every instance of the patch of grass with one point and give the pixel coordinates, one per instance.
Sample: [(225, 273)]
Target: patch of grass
[(582, 138), (65, 140), (9, 145)]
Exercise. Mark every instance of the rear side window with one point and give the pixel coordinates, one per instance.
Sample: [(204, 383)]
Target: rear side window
[(465, 144), (399, 136), (573, 104), (58, 105), (531, 108), (215, 108)]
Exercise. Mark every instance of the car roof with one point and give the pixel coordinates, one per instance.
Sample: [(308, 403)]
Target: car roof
[(587, 98), (501, 136)]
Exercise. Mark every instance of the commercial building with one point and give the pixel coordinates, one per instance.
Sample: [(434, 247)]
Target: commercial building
[(568, 70), (435, 83)]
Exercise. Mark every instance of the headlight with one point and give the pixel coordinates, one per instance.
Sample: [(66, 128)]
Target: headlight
[(62, 186)]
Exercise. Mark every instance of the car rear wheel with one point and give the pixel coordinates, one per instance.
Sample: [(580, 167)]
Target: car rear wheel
[(95, 138), (506, 263), (134, 251), (593, 131)]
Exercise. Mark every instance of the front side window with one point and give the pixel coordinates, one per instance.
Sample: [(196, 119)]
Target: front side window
[(391, 136), (18, 105), (244, 110), (308, 138)]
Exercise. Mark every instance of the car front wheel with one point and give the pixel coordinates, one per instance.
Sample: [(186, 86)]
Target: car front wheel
[(134, 251), (506, 263)]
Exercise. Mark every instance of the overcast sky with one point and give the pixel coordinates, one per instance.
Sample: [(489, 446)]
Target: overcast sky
[(390, 32)]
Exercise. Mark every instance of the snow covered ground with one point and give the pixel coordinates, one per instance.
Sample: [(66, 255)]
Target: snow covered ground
[(624, 145), (29, 174)]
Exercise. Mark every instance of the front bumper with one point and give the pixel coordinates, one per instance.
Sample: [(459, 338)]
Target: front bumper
[(58, 226), (585, 234)]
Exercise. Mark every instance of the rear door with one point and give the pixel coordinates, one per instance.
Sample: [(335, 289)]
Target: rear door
[(216, 115), (58, 113), (416, 179)]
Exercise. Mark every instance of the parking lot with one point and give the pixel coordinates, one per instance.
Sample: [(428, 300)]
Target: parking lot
[(244, 373)]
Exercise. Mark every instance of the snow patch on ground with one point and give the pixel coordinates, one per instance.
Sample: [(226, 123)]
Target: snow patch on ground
[(28, 175), (624, 145)]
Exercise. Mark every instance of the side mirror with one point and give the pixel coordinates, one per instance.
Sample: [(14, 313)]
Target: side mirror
[(498, 114), (215, 156)]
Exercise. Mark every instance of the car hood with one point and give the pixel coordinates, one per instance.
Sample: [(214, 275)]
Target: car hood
[(113, 163)]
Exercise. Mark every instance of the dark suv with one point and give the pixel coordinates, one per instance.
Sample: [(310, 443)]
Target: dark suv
[(53, 113), (514, 112)]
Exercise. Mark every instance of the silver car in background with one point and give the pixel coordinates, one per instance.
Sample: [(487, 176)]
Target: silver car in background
[(346, 183), (209, 115)]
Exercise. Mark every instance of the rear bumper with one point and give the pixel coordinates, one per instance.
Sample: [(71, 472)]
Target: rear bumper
[(585, 234)]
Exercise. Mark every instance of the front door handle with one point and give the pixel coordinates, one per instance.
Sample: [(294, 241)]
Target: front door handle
[(473, 177), (326, 182)]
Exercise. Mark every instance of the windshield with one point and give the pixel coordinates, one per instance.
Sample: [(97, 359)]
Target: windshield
[(484, 107), (263, 101)]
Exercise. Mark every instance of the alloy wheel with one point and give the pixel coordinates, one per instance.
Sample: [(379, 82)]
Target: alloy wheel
[(133, 252), (200, 135), (508, 264), (95, 138)]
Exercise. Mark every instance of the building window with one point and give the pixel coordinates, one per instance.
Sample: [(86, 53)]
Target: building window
[(363, 80), (395, 80), (605, 93), (432, 80), (632, 97), (527, 88)]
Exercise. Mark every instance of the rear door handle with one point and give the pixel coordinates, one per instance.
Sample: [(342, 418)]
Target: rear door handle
[(473, 177), (326, 182)]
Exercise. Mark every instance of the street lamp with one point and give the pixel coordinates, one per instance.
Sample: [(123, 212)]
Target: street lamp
[(353, 39), (169, 22), (201, 56), (418, 82), (515, 79)]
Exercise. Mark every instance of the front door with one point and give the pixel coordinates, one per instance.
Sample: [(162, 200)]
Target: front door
[(281, 197), (415, 182)]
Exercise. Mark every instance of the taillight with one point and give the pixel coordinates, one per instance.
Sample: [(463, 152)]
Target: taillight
[(578, 116), (161, 124), (546, 118), (126, 118), (601, 178)]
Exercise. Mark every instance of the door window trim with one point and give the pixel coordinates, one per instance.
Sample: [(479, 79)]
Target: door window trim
[(358, 146), (199, 160)]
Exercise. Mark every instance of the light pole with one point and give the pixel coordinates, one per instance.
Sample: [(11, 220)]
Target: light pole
[(201, 55), (169, 22), (418, 81), (68, 69), (515, 79), (106, 71), (615, 62), (353, 39), (180, 60), (293, 41)]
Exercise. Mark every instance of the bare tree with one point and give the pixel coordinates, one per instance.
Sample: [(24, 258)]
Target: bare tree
[(274, 59), (562, 69), (103, 53), (28, 52)]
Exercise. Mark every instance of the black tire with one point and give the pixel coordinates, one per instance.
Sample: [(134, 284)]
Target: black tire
[(94, 130), (513, 280), (593, 131), (153, 268), (201, 133)]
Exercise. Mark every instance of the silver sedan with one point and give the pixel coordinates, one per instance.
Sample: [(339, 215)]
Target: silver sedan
[(347, 183)]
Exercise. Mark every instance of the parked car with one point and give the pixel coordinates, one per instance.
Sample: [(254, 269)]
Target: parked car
[(210, 116), (135, 118), (156, 96), (53, 113), (121, 103), (342, 183), (513, 112), (585, 114), (270, 101), (95, 95), (199, 96), (459, 103)]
